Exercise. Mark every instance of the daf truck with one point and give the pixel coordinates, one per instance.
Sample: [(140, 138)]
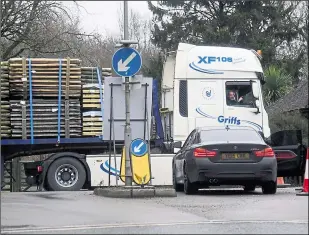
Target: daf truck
[(195, 87)]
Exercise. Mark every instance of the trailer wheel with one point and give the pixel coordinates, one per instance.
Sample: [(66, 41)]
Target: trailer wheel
[(66, 174)]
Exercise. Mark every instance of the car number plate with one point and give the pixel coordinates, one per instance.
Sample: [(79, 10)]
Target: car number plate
[(235, 156)]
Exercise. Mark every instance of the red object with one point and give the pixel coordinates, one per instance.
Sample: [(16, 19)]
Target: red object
[(306, 180), (285, 155), (267, 152), (39, 168), (201, 152)]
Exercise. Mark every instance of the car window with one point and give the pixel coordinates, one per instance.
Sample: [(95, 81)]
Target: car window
[(188, 140), (196, 139), (192, 140), (239, 94), (232, 135)]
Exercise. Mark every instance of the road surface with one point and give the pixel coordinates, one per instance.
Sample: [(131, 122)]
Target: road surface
[(210, 212)]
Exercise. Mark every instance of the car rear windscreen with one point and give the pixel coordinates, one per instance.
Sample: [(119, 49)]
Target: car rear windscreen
[(231, 135)]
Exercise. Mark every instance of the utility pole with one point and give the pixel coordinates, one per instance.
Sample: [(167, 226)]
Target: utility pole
[(127, 129)]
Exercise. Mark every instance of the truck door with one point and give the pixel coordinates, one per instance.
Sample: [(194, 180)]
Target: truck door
[(205, 101), (239, 106)]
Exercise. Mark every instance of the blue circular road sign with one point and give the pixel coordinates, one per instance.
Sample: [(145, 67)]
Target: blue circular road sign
[(139, 147), (126, 62)]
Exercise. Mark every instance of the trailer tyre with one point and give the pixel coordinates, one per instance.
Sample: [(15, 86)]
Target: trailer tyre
[(66, 174)]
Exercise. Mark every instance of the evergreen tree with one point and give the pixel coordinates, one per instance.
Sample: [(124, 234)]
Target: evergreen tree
[(264, 25)]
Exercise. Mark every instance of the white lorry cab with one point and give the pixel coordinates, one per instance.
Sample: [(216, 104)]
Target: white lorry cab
[(212, 86)]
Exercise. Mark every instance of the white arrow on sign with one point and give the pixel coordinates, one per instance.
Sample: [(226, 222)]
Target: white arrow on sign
[(122, 67), (137, 149)]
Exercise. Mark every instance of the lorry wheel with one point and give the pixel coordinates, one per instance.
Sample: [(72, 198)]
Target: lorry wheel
[(66, 174)]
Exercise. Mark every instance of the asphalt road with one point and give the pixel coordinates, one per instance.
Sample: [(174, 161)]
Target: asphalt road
[(210, 212)]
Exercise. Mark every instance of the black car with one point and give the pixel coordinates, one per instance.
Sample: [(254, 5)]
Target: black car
[(213, 156)]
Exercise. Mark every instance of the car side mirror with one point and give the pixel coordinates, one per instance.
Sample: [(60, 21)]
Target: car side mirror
[(255, 90), (178, 144)]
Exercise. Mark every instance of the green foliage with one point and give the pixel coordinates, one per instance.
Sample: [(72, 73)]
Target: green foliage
[(261, 25), (290, 121), (154, 67), (278, 84)]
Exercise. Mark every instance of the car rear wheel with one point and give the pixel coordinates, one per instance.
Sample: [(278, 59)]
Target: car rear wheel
[(269, 187), (189, 188), (249, 188), (176, 186)]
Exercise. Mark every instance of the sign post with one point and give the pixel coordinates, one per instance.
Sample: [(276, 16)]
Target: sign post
[(126, 63)]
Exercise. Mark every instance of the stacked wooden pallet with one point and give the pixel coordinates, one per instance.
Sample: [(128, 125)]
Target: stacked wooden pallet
[(4, 80), (45, 77), (91, 102), (106, 72), (45, 118), (5, 119), (92, 123), (5, 107), (91, 96), (89, 74)]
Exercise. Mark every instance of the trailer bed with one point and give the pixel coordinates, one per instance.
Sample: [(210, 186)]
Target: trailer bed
[(13, 148)]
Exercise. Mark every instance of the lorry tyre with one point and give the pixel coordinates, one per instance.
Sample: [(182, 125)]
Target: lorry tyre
[(66, 174), (269, 187)]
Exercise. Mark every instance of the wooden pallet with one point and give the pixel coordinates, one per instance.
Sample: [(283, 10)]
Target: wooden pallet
[(91, 101), (89, 74), (5, 119), (92, 123), (91, 96), (4, 80), (106, 72), (45, 77), (45, 118)]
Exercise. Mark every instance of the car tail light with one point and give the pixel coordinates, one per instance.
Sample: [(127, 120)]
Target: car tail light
[(285, 155), (202, 152), (267, 152), (39, 169)]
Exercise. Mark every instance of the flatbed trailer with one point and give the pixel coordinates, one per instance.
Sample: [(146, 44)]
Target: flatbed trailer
[(90, 160), (84, 154)]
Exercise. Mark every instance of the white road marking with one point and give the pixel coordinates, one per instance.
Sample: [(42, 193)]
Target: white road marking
[(127, 225)]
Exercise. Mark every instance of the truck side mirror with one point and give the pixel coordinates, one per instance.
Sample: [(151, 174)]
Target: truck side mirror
[(178, 144), (255, 90)]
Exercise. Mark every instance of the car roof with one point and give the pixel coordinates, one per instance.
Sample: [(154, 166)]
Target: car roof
[(242, 128)]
